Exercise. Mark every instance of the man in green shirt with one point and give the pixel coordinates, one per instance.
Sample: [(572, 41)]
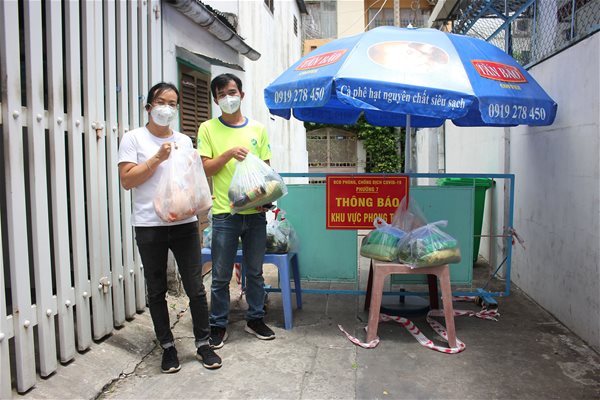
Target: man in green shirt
[(222, 141)]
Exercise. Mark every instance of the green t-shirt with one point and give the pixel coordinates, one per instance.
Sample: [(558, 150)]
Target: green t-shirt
[(215, 138)]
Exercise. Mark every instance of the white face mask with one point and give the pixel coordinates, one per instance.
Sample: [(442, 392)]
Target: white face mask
[(163, 115), (230, 104)]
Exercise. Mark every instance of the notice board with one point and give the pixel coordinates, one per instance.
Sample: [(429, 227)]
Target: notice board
[(355, 201)]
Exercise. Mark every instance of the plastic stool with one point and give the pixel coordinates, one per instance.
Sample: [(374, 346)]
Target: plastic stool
[(382, 269), (283, 262)]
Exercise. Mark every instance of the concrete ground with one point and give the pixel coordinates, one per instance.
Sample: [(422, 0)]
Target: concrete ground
[(527, 354)]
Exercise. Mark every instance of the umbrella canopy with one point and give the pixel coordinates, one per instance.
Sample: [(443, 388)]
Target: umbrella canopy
[(389, 73)]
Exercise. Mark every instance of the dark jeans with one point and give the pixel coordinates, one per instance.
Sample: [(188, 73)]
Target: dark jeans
[(184, 241), (226, 231)]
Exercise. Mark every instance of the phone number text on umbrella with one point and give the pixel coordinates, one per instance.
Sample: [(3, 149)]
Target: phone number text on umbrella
[(520, 112), (299, 95)]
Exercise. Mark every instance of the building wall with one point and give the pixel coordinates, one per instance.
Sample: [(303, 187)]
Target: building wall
[(481, 150), (312, 44), (272, 35), (557, 193), (179, 30), (350, 17)]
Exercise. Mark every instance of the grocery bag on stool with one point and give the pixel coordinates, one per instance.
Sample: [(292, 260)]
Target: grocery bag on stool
[(281, 236), (429, 246), (382, 242)]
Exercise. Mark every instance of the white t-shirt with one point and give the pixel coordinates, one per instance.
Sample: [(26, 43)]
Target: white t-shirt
[(137, 146)]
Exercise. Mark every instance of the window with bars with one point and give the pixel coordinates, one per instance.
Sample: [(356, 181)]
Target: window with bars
[(331, 150), (321, 21), (385, 17), (194, 107)]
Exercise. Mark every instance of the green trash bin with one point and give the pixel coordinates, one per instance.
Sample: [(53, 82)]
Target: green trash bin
[(481, 186)]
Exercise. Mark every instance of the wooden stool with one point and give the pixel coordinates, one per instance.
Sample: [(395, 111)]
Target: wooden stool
[(381, 269)]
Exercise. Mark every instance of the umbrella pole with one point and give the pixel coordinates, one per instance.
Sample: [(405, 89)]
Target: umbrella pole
[(407, 146)]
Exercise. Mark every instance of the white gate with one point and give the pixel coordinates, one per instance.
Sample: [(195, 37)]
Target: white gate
[(74, 78)]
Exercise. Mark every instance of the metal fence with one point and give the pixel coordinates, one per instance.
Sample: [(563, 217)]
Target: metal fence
[(71, 76), (537, 29)]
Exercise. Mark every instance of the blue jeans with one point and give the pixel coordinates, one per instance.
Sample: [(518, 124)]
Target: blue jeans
[(184, 241), (226, 231)]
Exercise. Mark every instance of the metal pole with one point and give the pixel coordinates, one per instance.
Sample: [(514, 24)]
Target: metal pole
[(572, 20), (407, 147), (507, 31), (406, 135)]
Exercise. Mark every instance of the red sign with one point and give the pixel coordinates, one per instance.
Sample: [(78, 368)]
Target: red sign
[(354, 201), (321, 60), (498, 71)]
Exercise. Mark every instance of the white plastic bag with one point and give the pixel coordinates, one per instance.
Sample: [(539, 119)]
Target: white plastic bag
[(281, 236), (183, 189), (429, 246), (254, 184), (382, 242)]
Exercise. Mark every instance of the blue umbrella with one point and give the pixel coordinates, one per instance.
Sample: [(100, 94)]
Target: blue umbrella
[(424, 76)]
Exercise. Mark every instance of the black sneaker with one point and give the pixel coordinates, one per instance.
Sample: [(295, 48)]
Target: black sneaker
[(170, 363), (218, 336), (208, 357), (258, 328)]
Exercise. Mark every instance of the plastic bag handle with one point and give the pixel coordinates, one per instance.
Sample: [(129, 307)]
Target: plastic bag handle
[(379, 222), (441, 223)]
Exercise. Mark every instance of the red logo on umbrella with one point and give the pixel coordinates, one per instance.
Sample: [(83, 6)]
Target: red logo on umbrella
[(498, 71), (320, 60)]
